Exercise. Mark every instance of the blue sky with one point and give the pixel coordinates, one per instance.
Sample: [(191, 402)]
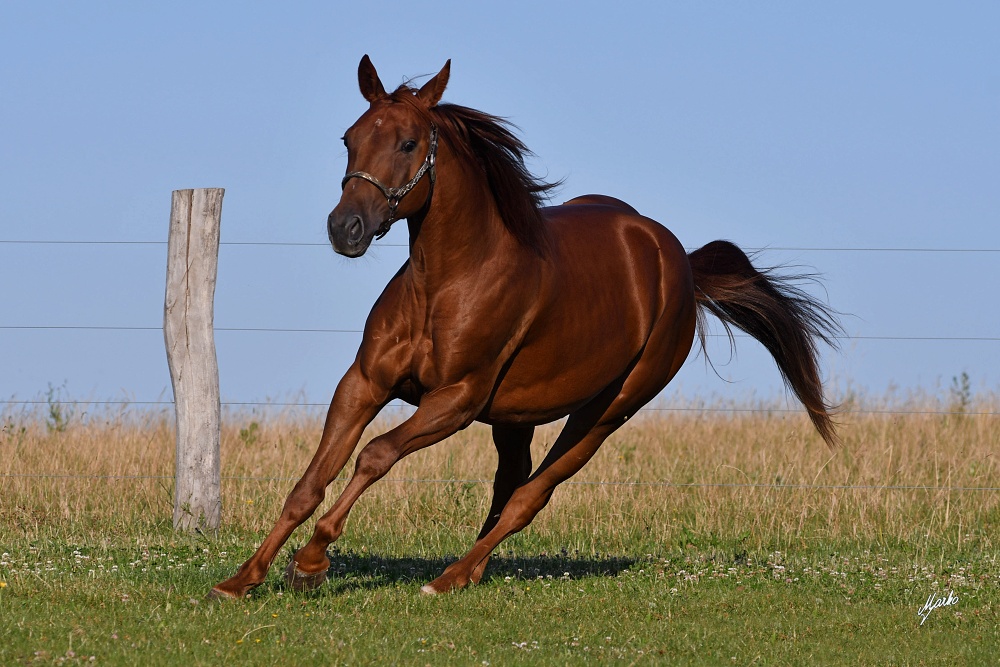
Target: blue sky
[(779, 125)]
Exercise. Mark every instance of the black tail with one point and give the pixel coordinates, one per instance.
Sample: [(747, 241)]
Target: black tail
[(786, 320)]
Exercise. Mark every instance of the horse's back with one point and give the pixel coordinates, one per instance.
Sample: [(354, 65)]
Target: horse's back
[(615, 232), (600, 200)]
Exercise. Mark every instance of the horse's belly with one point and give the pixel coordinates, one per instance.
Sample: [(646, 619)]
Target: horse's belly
[(542, 385)]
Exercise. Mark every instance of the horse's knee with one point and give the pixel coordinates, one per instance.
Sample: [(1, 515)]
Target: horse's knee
[(302, 502)]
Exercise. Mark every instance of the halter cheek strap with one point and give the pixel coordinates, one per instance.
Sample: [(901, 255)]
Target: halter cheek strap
[(395, 195)]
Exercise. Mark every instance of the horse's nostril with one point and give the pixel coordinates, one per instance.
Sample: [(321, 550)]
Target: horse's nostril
[(355, 230)]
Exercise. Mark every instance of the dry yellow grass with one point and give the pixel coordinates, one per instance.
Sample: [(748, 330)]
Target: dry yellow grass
[(763, 478)]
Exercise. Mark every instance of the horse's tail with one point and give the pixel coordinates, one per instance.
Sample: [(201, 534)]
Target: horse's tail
[(772, 309)]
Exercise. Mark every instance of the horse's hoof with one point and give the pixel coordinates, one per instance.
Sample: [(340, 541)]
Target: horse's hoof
[(301, 581), (215, 595), (442, 585)]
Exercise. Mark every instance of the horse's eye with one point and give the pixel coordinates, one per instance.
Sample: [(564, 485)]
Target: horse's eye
[(409, 146)]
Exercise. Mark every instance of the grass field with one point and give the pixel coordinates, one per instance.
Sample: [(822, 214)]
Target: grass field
[(692, 538)]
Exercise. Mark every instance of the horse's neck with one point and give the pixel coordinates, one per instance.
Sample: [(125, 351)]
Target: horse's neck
[(460, 232)]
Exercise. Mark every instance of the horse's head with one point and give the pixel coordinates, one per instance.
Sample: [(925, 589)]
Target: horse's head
[(391, 152)]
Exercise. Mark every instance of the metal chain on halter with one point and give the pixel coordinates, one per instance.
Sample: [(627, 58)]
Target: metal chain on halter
[(395, 195)]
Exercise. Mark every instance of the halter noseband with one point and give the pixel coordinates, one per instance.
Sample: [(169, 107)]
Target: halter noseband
[(395, 195)]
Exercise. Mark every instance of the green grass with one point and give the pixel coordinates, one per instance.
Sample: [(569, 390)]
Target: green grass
[(704, 575), (128, 601)]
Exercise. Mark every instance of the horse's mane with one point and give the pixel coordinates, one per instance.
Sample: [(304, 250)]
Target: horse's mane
[(490, 142)]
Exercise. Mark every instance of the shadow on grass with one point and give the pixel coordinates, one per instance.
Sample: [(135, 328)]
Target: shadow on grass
[(350, 570)]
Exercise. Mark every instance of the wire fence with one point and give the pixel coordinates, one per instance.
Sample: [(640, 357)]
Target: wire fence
[(357, 331), (852, 411)]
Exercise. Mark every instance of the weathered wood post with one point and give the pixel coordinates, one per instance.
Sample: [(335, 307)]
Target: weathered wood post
[(188, 320)]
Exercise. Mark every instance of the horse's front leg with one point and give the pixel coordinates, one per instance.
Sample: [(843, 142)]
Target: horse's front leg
[(441, 413), (354, 406)]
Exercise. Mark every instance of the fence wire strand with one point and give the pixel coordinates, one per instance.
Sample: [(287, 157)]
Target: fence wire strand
[(656, 484), (407, 406), (317, 244), (76, 327)]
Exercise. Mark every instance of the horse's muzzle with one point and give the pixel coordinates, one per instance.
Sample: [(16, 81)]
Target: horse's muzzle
[(348, 234)]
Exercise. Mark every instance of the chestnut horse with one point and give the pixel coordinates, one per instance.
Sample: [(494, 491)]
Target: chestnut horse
[(514, 315)]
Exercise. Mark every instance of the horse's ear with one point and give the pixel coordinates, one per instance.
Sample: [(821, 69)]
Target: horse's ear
[(431, 92), (368, 81)]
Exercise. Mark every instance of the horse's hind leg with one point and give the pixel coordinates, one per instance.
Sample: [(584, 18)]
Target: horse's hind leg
[(513, 445), (580, 439), (577, 443)]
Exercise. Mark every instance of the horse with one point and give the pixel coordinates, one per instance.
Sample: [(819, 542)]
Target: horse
[(513, 314)]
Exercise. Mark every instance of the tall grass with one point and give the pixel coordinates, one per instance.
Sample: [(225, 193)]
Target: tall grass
[(763, 479)]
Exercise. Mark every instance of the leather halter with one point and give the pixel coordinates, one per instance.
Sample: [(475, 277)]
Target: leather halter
[(395, 195)]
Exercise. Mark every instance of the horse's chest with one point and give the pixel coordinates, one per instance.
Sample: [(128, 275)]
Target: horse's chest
[(423, 366), (449, 353), (453, 338)]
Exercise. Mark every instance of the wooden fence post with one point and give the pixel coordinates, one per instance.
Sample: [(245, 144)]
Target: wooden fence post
[(188, 320)]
